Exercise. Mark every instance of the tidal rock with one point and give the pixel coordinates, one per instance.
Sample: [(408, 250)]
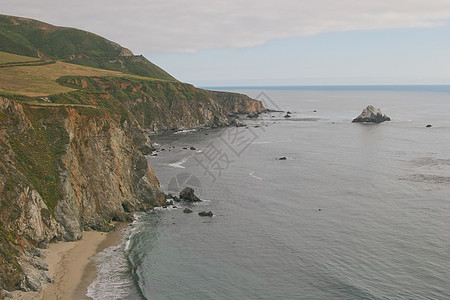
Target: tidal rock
[(428, 126), (176, 199), (187, 194), (205, 214), (239, 124), (282, 158), (187, 210), (253, 115), (287, 116), (372, 115), (288, 113), (192, 148)]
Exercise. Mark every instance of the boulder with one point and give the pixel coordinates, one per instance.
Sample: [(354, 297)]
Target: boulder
[(205, 214), (287, 116), (372, 115), (428, 126), (192, 148), (282, 158), (187, 210), (187, 194), (253, 115)]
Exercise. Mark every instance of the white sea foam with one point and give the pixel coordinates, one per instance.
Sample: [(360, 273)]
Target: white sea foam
[(185, 131), (179, 164), (252, 174), (113, 273)]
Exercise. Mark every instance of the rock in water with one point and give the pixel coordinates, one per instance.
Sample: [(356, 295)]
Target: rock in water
[(371, 114), (187, 194), (187, 210), (205, 214)]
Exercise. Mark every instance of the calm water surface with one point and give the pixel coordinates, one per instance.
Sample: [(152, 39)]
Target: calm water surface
[(354, 212)]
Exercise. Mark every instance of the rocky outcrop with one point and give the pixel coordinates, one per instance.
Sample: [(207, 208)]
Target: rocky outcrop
[(371, 114), (187, 194), (160, 106), (64, 170), (206, 214)]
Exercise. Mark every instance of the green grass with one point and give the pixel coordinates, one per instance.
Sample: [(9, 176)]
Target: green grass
[(34, 38), (40, 80), (8, 58), (39, 150)]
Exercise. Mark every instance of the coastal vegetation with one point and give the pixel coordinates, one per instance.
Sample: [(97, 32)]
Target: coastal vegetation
[(75, 113)]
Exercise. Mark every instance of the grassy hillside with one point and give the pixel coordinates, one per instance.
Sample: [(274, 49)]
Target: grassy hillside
[(40, 80), (8, 58), (37, 39)]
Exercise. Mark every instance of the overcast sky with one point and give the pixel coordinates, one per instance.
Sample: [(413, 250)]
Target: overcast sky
[(270, 42)]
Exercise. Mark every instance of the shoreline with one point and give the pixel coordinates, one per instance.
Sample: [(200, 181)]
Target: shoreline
[(71, 267)]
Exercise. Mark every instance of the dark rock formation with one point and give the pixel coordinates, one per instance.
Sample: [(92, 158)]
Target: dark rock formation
[(287, 116), (192, 148), (253, 115), (428, 126), (282, 158), (187, 194), (205, 214), (187, 210), (372, 115)]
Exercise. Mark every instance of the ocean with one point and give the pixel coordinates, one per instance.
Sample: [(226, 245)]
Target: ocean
[(355, 211)]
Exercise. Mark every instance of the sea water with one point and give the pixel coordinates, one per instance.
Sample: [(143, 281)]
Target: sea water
[(356, 211)]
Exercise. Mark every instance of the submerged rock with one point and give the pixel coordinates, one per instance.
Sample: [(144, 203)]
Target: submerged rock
[(287, 116), (205, 214), (428, 126), (282, 158), (371, 114), (187, 194), (187, 210)]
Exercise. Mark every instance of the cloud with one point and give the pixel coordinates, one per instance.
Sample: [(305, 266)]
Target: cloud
[(161, 26)]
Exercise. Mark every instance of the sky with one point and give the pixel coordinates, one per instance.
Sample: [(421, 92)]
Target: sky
[(283, 42)]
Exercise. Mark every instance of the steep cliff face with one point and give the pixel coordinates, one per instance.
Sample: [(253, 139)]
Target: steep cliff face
[(63, 170), (163, 105)]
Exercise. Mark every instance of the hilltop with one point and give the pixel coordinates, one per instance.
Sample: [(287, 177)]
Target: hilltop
[(34, 38), (75, 113)]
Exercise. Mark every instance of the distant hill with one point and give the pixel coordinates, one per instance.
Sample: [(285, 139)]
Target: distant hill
[(33, 38)]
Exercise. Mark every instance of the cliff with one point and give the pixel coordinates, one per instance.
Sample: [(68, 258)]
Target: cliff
[(73, 159), (64, 170), (160, 106)]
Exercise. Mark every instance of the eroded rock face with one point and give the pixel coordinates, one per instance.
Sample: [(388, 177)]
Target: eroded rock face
[(187, 194), (95, 165), (371, 114), (64, 170)]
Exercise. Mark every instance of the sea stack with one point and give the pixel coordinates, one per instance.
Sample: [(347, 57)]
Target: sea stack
[(372, 115)]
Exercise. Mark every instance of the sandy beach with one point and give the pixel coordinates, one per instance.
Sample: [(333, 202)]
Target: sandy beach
[(70, 266)]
